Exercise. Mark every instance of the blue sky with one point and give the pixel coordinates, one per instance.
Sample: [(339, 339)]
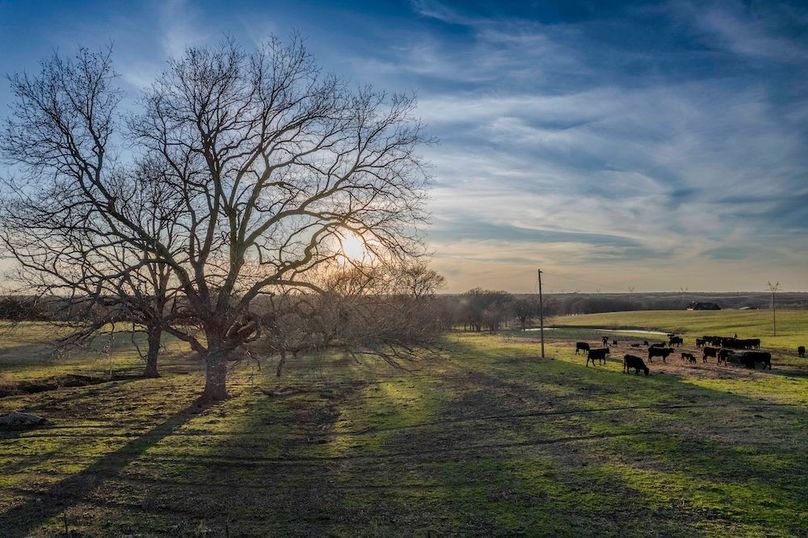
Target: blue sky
[(646, 145)]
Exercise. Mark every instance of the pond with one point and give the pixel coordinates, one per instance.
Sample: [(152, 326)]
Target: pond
[(602, 330)]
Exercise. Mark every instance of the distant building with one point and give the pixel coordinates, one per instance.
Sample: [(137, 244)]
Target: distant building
[(703, 306)]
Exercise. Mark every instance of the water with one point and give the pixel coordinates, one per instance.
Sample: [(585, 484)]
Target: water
[(614, 331)]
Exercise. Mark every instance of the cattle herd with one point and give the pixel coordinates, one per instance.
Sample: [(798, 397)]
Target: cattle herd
[(725, 349)]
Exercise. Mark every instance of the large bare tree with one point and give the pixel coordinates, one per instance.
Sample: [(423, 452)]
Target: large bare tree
[(265, 161)]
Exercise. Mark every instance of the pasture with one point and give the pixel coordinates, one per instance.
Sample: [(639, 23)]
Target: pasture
[(792, 325), (480, 438)]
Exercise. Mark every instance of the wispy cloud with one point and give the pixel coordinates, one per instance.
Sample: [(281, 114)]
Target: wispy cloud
[(545, 144), (178, 26), (655, 144)]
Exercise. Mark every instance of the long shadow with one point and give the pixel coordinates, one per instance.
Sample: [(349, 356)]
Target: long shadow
[(694, 454), (52, 403), (24, 518)]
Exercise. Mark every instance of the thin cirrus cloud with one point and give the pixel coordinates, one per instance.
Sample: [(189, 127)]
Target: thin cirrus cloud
[(644, 144), (647, 154)]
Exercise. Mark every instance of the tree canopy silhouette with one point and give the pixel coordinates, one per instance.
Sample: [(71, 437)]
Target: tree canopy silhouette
[(261, 162)]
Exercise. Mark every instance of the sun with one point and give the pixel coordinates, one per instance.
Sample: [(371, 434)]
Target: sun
[(353, 246)]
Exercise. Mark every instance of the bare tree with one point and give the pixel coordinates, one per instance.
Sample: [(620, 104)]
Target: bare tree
[(96, 278), (268, 159), (388, 311), (416, 279), (485, 309), (525, 309)]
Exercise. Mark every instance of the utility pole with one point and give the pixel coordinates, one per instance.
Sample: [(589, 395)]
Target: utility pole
[(541, 317), (774, 288)]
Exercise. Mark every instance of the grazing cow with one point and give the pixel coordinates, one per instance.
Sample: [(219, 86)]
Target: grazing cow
[(632, 361), (750, 358), (605, 340), (713, 340), (635, 345), (597, 354), (709, 351), (689, 357), (678, 340), (700, 342), (801, 351), (724, 354), (581, 346), (730, 342), (645, 343), (659, 352), (746, 343)]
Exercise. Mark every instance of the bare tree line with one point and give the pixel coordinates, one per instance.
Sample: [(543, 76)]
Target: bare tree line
[(214, 210)]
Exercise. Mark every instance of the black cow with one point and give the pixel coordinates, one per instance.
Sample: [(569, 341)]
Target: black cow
[(659, 352), (801, 351), (724, 354), (750, 358), (597, 354), (632, 361), (677, 340), (614, 342), (645, 343), (714, 340), (700, 342), (605, 340), (747, 343), (730, 342), (689, 357), (709, 351), (581, 346), (635, 345)]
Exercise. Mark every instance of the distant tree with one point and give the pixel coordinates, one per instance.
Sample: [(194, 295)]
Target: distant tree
[(525, 309), (485, 309), (418, 280), (20, 309)]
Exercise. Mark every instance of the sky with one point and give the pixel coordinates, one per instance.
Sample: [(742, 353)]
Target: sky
[(646, 146)]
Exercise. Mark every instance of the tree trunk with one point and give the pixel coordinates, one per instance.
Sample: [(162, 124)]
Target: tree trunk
[(281, 362), (154, 334), (215, 376)]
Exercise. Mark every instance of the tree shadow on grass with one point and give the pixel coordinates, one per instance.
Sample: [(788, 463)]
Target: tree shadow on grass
[(461, 484), (26, 517)]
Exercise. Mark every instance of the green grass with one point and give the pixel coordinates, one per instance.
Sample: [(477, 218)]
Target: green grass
[(29, 353), (792, 325), (482, 439)]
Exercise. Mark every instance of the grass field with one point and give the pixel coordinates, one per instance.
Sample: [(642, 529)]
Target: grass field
[(792, 325), (482, 439)]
